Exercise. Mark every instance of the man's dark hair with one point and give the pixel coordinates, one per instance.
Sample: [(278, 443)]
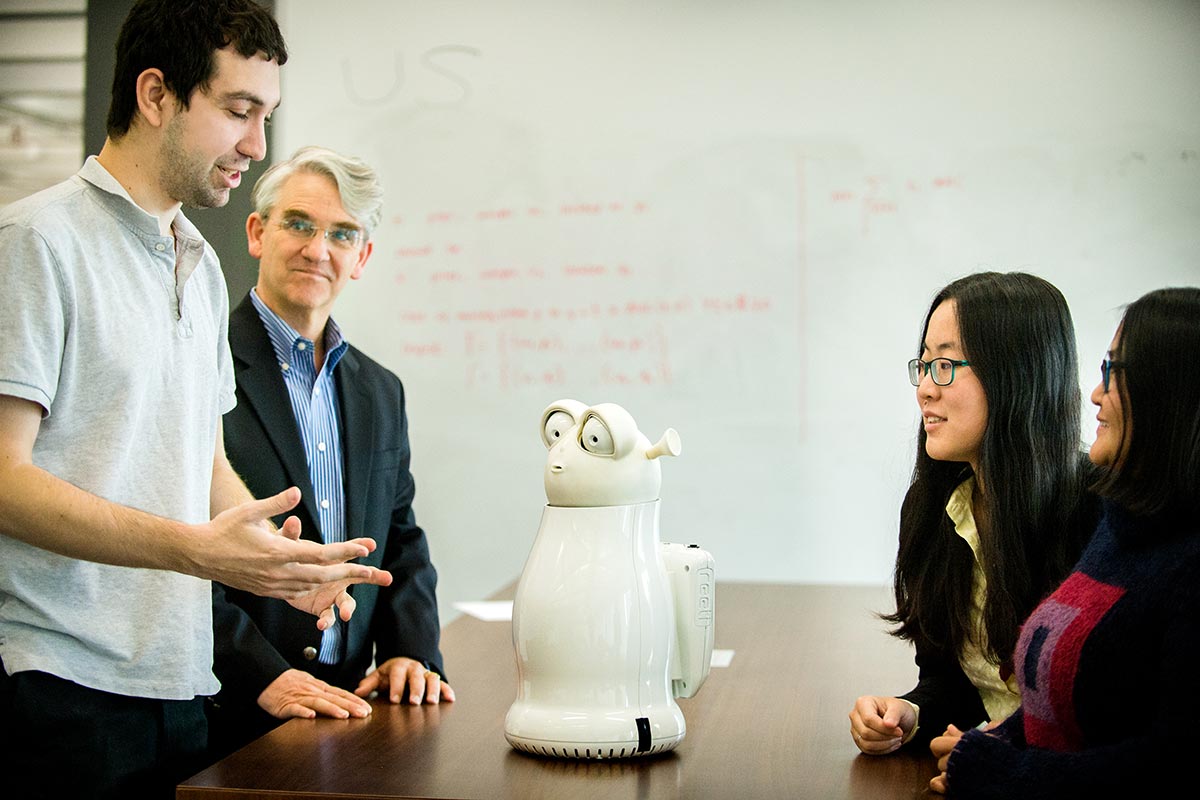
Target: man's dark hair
[(181, 37)]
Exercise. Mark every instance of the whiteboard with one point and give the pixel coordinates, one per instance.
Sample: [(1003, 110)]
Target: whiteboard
[(730, 218)]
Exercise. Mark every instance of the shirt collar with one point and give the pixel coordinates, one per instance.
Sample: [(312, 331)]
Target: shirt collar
[(958, 508), (122, 204), (284, 337)]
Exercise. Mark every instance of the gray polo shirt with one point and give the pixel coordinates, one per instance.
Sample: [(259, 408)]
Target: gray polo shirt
[(125, 350)]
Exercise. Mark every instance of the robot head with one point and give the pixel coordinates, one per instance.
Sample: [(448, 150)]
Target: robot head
[(598, 457)]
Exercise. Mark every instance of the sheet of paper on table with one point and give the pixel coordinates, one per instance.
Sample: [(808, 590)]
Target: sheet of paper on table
[(721, 658), (487, 610)]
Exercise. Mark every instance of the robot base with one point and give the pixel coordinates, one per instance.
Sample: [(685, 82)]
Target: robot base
[(574, 732), (592, 750)]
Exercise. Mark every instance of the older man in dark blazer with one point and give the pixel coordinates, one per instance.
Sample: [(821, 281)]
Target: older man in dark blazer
[(317, 413)]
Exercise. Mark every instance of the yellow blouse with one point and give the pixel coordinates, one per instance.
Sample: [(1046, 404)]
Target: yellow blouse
[(1000, 697)]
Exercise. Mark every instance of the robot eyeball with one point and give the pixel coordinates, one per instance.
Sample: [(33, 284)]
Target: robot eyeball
[(557, 425), (596, 438), (559, 418)]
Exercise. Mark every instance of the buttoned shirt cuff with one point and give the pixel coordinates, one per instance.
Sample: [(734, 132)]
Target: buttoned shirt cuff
[(916, 725)]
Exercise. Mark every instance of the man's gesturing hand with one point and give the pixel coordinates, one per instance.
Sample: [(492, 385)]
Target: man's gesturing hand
[(241, 548)]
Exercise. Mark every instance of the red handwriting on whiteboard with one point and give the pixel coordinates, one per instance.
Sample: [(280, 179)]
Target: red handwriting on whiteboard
[(443, 216), (553, 376), (879, 196), (582, 270), (422, 349), (580, 208), (534, 344), (646, 376), (498, 274), (493, 314), (740, 303), (511, 357), (493, 274), (631, 345)]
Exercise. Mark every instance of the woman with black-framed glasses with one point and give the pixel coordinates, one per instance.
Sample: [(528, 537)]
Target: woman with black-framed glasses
[(1107, 663), (997, 510)]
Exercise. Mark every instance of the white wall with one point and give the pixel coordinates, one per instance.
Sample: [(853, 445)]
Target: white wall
[(730, 217), (42, 44)]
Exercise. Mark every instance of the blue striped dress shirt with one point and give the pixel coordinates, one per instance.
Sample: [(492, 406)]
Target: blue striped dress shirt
[(315, 406)]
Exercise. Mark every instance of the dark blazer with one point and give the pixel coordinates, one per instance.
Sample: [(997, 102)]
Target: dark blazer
[(256, 638)]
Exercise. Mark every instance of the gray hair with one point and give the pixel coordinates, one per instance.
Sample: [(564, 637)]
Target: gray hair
[(356, 182)]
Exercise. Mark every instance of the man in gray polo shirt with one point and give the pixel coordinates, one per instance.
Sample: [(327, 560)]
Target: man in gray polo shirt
[(118, 504)]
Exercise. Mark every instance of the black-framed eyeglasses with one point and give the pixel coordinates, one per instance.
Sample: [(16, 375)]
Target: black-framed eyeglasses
[(1106, 368), (940, 369), (340, 236)]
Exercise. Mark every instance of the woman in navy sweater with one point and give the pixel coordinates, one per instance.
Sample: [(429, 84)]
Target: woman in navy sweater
[(1108, 663)]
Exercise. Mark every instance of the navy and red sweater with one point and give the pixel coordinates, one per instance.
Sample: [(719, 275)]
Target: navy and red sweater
[(1107, 666)]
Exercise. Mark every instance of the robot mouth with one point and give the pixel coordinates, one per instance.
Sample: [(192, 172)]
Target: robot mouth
[(557, 467)]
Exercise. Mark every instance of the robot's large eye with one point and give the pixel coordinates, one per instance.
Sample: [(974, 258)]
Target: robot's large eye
[(596, 438), (557, 426)]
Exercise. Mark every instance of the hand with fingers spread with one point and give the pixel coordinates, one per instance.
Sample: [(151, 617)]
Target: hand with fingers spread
[(879, 725), (240, 548), (298, 694), (424, 686)]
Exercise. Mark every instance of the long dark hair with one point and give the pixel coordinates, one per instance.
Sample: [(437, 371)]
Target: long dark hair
[(1158, 379), (181, 37), (1016, 331)]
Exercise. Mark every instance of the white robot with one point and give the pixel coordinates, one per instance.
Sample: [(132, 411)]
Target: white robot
[(609, 624)]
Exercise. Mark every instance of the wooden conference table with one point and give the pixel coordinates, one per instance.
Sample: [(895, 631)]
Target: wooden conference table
[(772, 724)]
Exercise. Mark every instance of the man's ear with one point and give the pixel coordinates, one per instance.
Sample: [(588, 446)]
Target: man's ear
[(255, 226), (363, 255), (155, 101)]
